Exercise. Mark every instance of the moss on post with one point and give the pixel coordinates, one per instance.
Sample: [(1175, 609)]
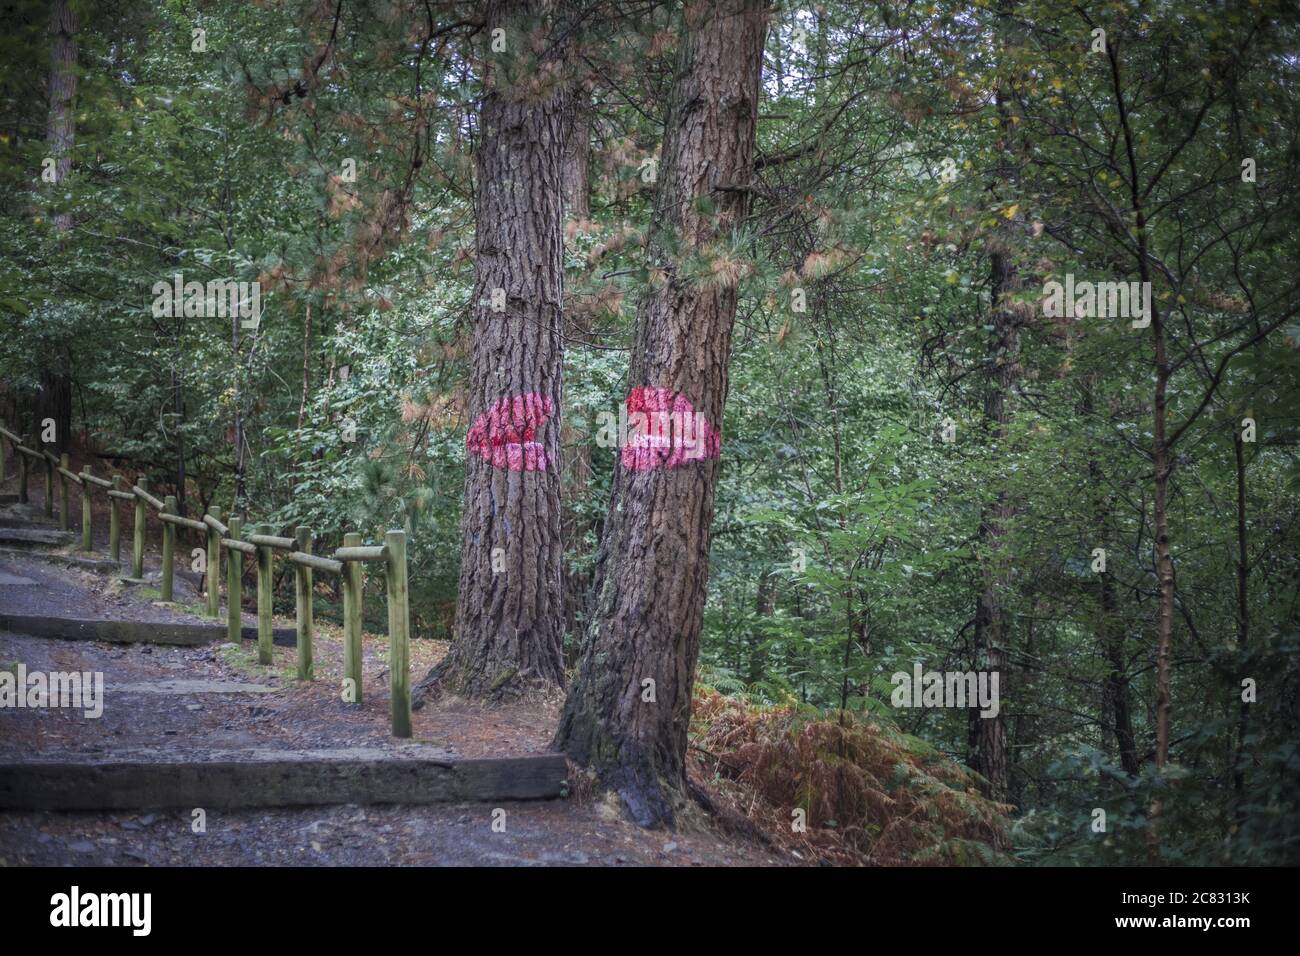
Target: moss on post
[(87, 486), (234, 588), (264, 598), (64, 522), (169, 549), (137, 550), (115, 523), (353, 586), (399, 633), (213, 577), (22, 478), (303, 588)]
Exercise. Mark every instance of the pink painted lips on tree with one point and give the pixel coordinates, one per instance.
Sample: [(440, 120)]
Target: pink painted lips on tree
[(665, 431), (505, 433)]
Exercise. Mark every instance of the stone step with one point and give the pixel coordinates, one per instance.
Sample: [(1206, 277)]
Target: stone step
[(230, 780), (134, 632), (35, 537)]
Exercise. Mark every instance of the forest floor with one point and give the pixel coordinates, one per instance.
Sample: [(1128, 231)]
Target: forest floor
[(169, 701)]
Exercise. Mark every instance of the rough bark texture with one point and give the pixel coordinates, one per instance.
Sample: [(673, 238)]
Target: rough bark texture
[(988, 735), (60, 126), (55, 397), (575, 178), (1116, 696), (575, 170), (509, 616), (652, 570), (1243, 627)]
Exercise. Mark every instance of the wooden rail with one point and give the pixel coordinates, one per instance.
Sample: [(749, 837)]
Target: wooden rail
[(347, 562)]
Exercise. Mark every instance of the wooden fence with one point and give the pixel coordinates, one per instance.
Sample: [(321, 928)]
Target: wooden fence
[(347, 562)]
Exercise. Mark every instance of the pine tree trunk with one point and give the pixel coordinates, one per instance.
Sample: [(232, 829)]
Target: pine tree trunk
[(509, 615), (652, 570), (1243, 628), (575, 171), (1116, 702), (55, 398), (1115, 693), (988, 735), (575, 177), (60, 126)]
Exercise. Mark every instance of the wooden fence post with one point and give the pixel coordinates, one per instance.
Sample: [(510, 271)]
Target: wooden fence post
[(214, 565), (63, 494), (49, 486), (353, 586), (264, 622), (2, 457), (22, 477), (115, 523), (303, 580), (86, 487), (234, 587), (137, 550), (399, 633), (169, 549)]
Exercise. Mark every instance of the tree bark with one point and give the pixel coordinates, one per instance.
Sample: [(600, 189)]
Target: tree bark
[(1115, 695), (60, 126), (510, 614), (652, 569), (55, 397), (1116, 690), (1161, 464), (575, 170), (575, 179), (764, 606), (988, 735), (1243, 626)]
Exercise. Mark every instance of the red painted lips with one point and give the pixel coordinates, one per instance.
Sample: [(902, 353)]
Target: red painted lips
[(665, 431), (505, 434)]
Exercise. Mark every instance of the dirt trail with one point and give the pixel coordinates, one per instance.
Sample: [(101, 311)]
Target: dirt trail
[(193, 700)]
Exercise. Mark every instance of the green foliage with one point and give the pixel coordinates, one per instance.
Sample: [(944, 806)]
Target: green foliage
[(846, 544)]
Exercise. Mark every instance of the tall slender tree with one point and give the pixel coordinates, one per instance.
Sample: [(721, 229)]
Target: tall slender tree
[(55, 398), (576, 179), (627, 712)]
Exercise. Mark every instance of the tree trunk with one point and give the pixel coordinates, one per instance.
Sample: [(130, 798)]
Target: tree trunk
[(60, 126), (988, 735), (575, 169), (1160, 460), (510, 613), (1164, 558), (575, 179), (1115, 697), (178, 405), (764, 606), (627, 713), (1116, 691), (1243, 626), (55, 398)]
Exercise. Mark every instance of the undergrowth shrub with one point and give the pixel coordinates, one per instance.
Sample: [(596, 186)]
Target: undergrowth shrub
[(871, 794)]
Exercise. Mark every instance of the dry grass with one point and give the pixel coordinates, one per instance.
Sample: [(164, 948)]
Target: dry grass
[(870, 794)]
